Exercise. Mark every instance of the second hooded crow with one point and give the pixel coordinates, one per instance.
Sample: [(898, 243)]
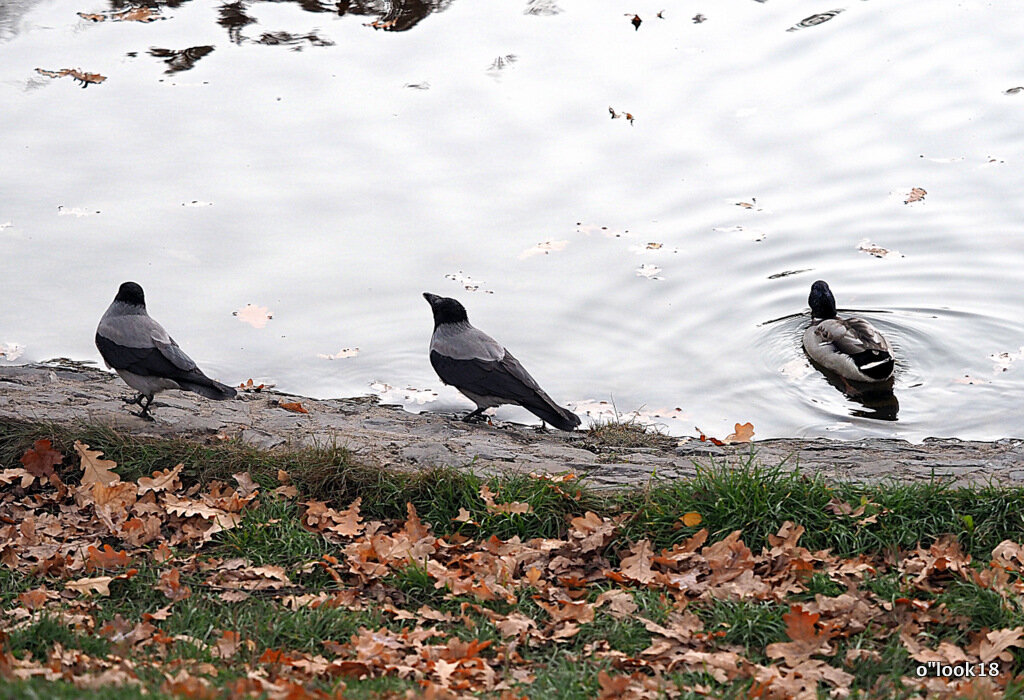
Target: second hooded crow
[(484, 371), (148, 359)]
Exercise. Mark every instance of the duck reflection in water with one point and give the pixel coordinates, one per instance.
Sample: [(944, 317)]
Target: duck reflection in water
[(876, 399)]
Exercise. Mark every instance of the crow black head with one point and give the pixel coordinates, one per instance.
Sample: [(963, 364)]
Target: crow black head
[(446, 310), (131, 293)]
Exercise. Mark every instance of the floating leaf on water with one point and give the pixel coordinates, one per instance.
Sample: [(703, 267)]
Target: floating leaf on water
[(741, 433), (968, 379), (132, 14), (795, 369), (916, 195), (754, 234), (389, 394), (587, 229), (136, 14), (543, 249), (467, 282), (621, 115), (1004, 360), (636, 22), (956, 159), (418, 86), (649, 271), (340, 355), (11, 351), (1014, 90), (86, 79), (255, 316), (698, 18), (75, 211), (661, 14), (197, 203), (252, 386), (814, 20), (866, 246)]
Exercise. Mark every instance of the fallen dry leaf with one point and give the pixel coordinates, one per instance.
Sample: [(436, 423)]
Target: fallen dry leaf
[(161, 480), (170, 585), (691, 519), (40, 459), (741, 433), (294, 406), (255, 316), (916, 195), (515, 507), (807, 639), (86, 79), (94, 469)]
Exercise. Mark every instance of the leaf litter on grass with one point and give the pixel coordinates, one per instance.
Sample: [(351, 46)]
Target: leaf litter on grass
[(424, 600)]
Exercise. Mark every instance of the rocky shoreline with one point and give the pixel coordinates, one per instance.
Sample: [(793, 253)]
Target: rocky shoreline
[(66, 393)]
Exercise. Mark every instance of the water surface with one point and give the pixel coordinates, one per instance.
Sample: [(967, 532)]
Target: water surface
[(294, 157)]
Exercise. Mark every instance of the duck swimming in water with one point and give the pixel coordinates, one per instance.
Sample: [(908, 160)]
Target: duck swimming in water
[(850, 347)]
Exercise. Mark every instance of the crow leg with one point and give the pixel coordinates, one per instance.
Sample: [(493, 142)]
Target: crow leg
[(474, 416), (137, 400), (144, 413)]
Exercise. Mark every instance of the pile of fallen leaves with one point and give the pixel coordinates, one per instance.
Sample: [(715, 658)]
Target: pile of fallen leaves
[(82, 542)]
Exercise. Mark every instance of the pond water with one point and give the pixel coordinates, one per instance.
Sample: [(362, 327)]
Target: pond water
[(329, 162)]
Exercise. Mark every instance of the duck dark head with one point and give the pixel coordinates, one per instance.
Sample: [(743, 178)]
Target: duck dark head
[(131, 293), (446, 310), (821, 301)]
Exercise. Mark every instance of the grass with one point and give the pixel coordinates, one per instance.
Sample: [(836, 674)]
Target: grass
[(604, 436), (745, 496)]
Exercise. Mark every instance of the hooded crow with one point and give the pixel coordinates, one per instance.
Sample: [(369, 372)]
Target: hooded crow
[(485, 372), (148, 359)]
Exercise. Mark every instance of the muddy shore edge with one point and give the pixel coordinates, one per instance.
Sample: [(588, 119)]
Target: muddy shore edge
[(67, 393)]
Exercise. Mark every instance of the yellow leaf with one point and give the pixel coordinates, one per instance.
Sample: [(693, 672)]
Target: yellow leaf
[(691, 519)]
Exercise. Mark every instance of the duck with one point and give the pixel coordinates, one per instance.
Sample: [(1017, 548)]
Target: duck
[(851, 347)]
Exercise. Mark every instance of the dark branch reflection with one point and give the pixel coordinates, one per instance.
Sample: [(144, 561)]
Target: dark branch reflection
[(391, 15), (185, 59)]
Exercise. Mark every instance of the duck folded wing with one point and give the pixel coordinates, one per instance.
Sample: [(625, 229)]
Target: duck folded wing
[(851, 336)]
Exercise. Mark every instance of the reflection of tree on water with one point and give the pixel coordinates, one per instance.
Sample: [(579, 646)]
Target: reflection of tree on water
[(11, 12), (392, 15), (180, 60)]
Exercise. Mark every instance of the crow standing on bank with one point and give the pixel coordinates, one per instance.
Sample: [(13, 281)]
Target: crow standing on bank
[(148, 359), (483, 370)]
